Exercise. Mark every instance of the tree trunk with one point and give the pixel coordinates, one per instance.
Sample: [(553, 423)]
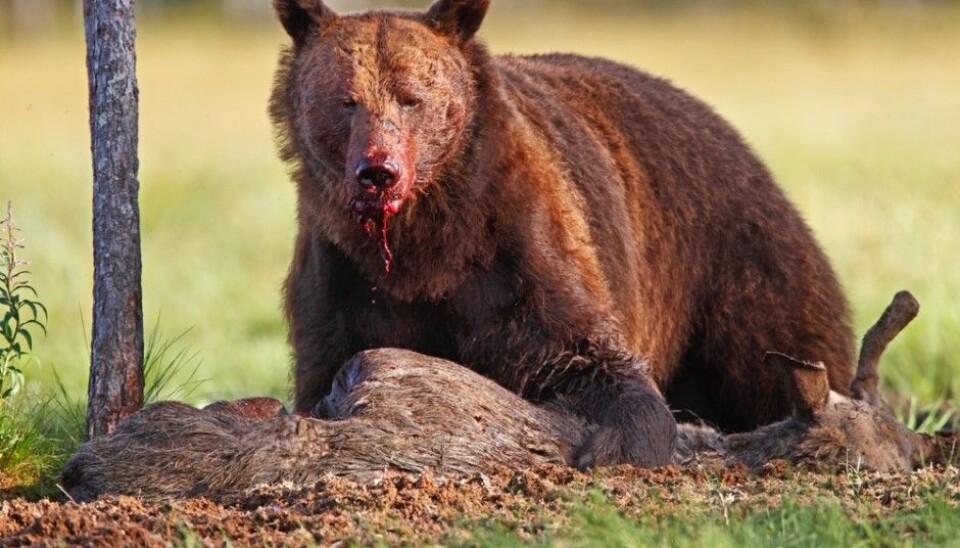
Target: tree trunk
[(116, 368)]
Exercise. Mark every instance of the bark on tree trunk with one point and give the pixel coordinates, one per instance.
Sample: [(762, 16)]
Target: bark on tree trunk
[(116, 368)]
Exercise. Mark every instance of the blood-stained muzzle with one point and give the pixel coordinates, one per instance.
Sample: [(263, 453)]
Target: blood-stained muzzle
[(380, 171), (379, 159), (378, 175)]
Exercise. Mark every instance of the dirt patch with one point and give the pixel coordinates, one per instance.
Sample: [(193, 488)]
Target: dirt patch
[(401, 508)]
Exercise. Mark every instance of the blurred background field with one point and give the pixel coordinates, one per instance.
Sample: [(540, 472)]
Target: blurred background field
[(854, 105)]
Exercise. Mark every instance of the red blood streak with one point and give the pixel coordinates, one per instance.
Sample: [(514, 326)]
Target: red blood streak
[(376, 224)]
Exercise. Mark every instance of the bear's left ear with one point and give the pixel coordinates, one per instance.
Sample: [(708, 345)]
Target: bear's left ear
[(301, 17), (458, 19)]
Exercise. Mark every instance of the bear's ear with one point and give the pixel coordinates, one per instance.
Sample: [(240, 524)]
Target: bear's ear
[(458, 19), (301, 17)]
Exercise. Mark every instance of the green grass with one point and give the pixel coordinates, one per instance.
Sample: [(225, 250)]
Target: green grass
[(216, 212), (37, 434), (794, 521)]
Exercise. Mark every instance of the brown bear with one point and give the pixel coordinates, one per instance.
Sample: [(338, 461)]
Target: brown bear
[(570, 227)]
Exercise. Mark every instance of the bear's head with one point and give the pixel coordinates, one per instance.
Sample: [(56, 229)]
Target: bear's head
[(376, 103)]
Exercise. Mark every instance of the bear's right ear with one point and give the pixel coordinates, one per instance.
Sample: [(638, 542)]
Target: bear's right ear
[(301, 17), (460, 19)]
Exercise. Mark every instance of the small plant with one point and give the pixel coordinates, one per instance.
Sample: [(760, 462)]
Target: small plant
[(21, 310), (163, 362)]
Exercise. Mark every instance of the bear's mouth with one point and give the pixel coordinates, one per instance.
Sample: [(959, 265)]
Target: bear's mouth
[(376, 203), (373, 209)]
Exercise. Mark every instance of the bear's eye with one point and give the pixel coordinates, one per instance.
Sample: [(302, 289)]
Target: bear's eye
[(349, 104), (410, 102)]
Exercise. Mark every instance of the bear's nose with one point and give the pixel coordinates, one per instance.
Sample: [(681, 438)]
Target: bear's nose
[(381, 175)]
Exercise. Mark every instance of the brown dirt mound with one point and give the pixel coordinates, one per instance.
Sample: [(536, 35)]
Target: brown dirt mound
[(400, 508)]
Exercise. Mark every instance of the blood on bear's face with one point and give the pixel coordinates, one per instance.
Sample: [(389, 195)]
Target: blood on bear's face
[(383, 101)]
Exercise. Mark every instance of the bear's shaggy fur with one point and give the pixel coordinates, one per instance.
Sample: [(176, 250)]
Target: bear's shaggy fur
[(569, 227)]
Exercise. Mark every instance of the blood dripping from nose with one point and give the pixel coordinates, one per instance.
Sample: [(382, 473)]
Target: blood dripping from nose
[(376, 228)]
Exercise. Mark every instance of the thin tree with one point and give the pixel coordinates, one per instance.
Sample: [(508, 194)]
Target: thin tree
[(116, 368)]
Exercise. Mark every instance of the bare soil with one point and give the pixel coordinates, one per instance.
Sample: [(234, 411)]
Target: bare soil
[(407, 509)]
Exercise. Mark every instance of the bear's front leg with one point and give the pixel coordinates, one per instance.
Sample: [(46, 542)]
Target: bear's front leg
[(634, 423), (610, 389), (561, 344), (613, 390), (318, 329)]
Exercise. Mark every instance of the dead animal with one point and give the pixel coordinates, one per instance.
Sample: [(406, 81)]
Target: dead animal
[(398, 410), (826, 426), (389, 409)]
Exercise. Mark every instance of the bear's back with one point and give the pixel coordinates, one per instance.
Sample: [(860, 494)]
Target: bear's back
[(690, 228)]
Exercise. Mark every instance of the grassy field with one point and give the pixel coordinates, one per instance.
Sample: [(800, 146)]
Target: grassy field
[(856, 113), (855, 110)]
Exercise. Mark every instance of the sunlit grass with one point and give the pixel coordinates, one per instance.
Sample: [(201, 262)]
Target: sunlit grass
[(216, 210), (856, 115), (821, 522)]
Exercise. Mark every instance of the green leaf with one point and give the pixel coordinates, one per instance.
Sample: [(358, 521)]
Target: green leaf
[(28, 338), (31, 305), (41, 306), (17, 287), (34, 322), (20, 273)]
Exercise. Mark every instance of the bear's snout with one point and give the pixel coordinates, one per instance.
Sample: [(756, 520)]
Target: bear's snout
[(378, 175)]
